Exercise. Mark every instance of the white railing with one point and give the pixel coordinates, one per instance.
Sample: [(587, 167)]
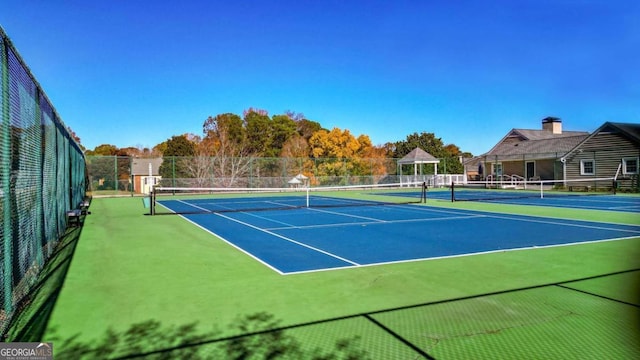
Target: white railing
[(506, 181), (440, 180)]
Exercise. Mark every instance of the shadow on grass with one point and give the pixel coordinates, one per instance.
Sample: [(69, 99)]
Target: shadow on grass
[(261, 339), (35, 308)]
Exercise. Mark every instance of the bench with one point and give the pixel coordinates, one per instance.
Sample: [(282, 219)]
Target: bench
[(73, 217), (83, 206)]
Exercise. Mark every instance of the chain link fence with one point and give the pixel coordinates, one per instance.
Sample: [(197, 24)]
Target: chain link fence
[(42, 176), (122, 175)]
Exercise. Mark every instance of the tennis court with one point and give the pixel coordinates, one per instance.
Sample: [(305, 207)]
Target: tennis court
[(590, 201), (312, 239), (367, 274)]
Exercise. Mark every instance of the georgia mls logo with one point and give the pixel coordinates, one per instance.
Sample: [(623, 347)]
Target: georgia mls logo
[(26, 351)]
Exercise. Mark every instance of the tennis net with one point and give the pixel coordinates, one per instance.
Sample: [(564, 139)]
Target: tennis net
[(175, 200), (493, 190)]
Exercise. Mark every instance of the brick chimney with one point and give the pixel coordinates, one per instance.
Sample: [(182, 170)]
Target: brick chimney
[(552, 124)]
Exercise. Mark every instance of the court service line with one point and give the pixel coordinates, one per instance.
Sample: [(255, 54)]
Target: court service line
[(348, 215), (288, 226), (288, 239), (195, 206), (376, 222), (566, 222)]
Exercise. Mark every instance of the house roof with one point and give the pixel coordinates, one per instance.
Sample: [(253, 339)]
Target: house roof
[(527, 134), (632, 131), (418, 156), (141, 166), (544, 143), (551, 146)]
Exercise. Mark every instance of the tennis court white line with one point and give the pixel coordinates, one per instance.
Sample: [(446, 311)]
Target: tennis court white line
[(347, 215), (557, 204), (565, 223), (459, 255), (235, 246), (288, 239), (376, 222), (269, 219), (634, 207), (194, 206)]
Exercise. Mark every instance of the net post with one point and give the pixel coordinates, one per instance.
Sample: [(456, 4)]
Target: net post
[(453, 198), (152, 201), (615, 186), (541, 190), (307, 189), (424, 193)]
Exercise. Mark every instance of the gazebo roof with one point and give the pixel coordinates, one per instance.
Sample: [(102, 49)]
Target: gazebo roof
[(418, 156)]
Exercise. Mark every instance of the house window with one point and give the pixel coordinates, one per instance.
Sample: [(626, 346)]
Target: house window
[(587, 167), (629, 166), (497, 169)]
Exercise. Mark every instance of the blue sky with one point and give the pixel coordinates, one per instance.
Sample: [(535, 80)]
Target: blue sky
[(135, 73)]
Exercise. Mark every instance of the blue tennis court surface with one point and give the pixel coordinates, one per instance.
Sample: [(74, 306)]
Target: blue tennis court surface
[(313, 239), (623, 203)]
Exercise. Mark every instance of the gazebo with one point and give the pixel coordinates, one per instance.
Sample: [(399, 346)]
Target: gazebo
[(294, 182), (298, 180), (418, 156)]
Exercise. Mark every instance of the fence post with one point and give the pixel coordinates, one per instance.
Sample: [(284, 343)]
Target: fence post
[(173, 171)]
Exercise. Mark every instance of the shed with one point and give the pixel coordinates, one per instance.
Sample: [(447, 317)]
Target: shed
[(145, 174)]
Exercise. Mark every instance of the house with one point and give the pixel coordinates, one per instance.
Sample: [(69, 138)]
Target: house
[(613, 150), (610, 151), (525, 154), (145, 174)]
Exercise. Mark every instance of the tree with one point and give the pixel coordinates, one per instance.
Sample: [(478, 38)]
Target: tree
[(341, 146), (104, 150), (283, 128), (225, 140), (173, 166), (374, 159), (179, 146), (160, 148), (259, 132), (307, 128), (223, 130), (109, 167), (75, 137), (295, 147), (294, 115), (131, 151), (449, 155), (426, 141), (333, 144), (255, 110)]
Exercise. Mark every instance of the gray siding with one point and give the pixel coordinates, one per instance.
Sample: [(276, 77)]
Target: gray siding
[(607, 151)]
